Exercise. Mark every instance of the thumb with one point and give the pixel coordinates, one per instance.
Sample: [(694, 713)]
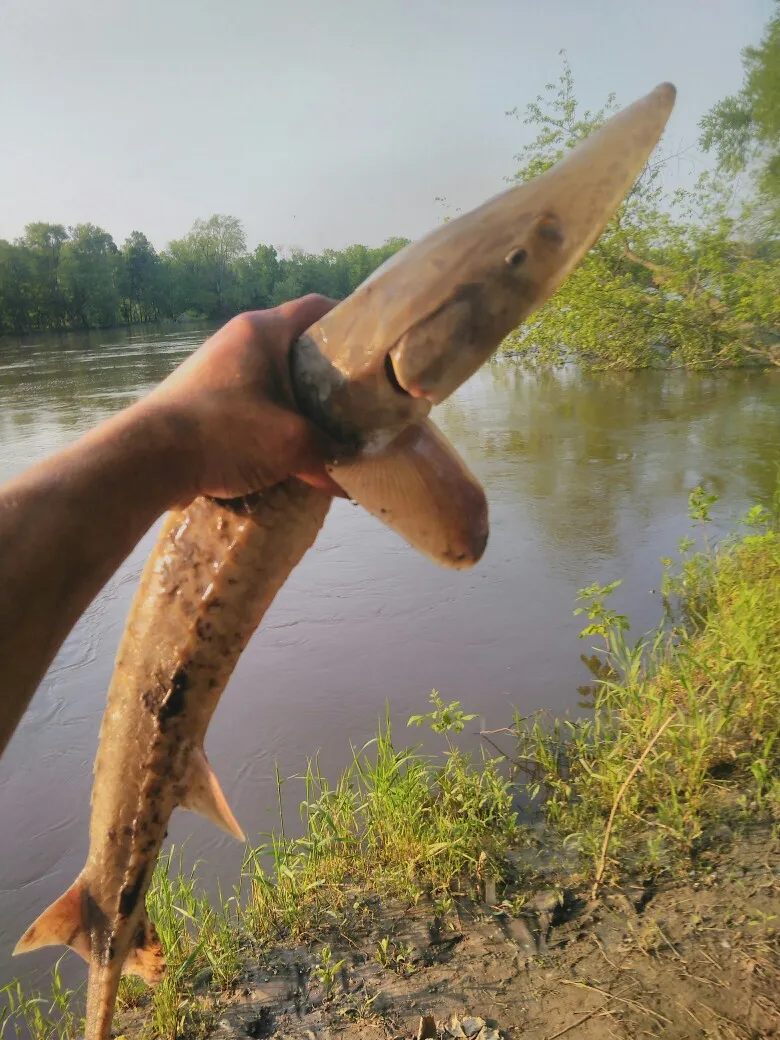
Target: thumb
[(299, 315)]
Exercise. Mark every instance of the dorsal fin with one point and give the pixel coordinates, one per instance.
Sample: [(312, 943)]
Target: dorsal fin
[(420, 487), (204, 795)]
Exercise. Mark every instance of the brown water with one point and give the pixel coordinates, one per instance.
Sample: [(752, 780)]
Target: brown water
[(587, 478)]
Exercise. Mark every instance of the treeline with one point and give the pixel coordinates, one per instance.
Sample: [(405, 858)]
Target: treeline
[(78, 278), (687, 278)]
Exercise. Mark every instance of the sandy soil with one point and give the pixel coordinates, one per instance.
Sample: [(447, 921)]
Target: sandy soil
[(692, 958)]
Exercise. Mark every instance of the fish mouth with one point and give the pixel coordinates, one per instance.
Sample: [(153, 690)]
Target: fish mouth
[(395, 383), (413, 390)]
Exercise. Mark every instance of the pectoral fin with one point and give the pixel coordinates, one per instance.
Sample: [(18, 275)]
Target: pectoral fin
[(421, 488), (205, 796)]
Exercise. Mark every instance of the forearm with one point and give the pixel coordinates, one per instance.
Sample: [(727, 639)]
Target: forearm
[(65, 526)]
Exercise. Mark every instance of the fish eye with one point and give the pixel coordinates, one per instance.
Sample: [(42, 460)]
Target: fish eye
[(516, 257)]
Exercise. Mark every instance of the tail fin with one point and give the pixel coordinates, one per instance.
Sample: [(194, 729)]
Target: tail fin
[(61, 924), (65, 923)]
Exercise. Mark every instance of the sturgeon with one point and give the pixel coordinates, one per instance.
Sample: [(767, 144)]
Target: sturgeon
[(368, 373)]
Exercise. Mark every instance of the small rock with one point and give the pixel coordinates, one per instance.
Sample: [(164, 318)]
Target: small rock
[(203, 979), (472, 1026), (544, 902), (521, 934), (453, 1027)]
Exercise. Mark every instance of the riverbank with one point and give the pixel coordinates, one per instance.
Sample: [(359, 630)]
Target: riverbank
[(617, 873)]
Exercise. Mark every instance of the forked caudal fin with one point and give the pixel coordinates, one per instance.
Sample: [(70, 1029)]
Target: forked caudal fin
[(66, 923), (421, 488), (205, 796)]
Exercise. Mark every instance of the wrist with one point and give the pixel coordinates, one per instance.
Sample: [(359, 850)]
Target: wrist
[(160, 446)]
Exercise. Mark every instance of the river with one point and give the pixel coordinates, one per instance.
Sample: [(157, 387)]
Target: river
[(587, 477)]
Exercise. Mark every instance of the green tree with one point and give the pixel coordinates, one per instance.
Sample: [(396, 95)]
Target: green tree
[(256, 274), (744, 129), (672, 280), (43, 245), (88, 273), (14, 288), (140, 282), (204, 263)]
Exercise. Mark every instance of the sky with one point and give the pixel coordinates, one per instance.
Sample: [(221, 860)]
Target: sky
[(321, 122)]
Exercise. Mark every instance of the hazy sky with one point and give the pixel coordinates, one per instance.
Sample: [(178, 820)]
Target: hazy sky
[(318, 122)]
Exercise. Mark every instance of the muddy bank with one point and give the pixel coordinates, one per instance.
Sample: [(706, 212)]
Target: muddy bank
[(685, 958)]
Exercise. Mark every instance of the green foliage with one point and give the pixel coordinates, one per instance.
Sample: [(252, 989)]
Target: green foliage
[(715, 673), (690, 278), (395, 822), (700, 503), (327, 969), (603, 619), (42, 1017), (88, 273), (675, 279), (396, 956), (744, 129), (448, 718), (53, 278)]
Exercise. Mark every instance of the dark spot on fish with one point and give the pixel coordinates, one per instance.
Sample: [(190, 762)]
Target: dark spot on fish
[(212, 683), (156, 819), (214, 604), (204, 629), (549, 228), (516, 257), (128, 897), (174, 702), (149, 845), (232, 581), (127, 831), (111, 834)]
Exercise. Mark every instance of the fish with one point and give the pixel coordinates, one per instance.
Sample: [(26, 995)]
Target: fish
[(367, 373)]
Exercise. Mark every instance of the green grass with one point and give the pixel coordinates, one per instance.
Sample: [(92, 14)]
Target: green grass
[(710, 677), (684, 727)]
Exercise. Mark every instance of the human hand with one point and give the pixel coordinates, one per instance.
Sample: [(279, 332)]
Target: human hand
[(232, 409)]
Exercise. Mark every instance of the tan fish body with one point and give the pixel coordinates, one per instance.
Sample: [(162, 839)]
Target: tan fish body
[(368, 372)]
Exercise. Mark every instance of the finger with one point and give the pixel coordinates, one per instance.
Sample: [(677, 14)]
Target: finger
[(314, 448), (323, 482), (299, 314)]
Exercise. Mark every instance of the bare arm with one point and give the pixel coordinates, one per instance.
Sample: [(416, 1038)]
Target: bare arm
[(223, 424)]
